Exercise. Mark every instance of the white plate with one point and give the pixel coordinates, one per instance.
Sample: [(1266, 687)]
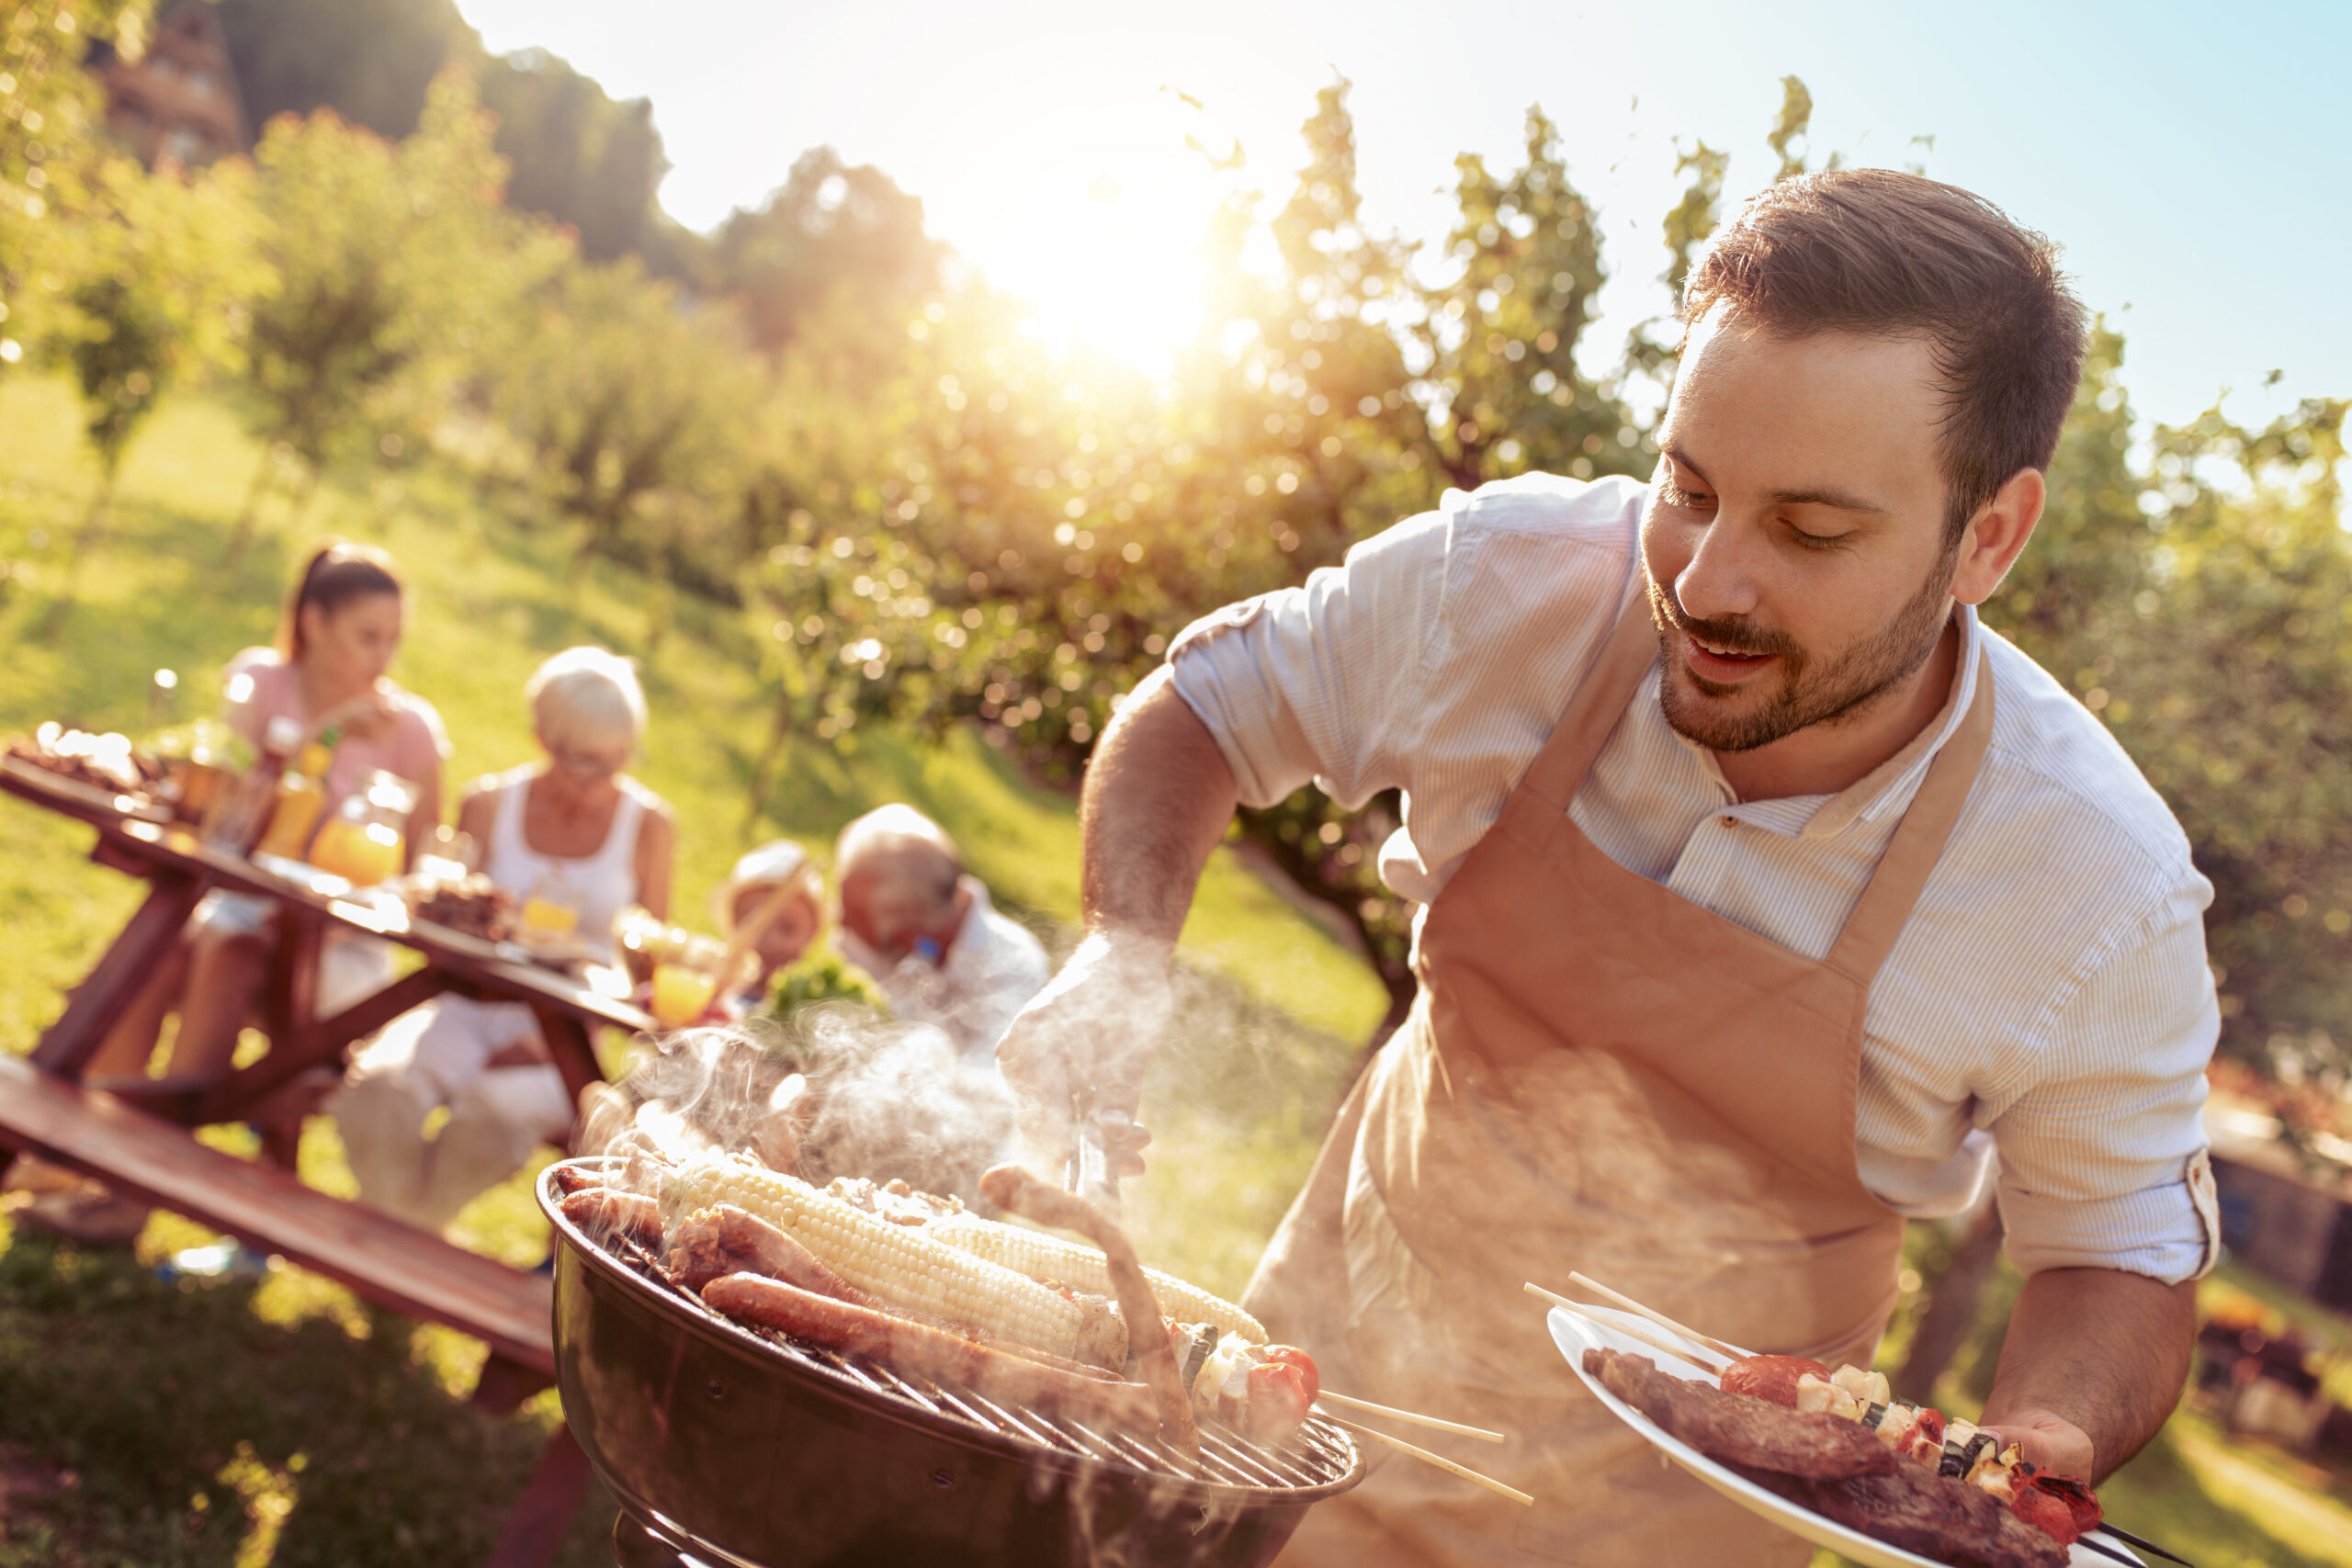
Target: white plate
[(1575, 1335)]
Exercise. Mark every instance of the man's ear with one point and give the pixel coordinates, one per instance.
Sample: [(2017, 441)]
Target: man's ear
[(1996, 534)]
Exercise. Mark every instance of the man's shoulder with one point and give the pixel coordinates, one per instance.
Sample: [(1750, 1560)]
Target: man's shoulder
[(2073, 784), (1605, 511)]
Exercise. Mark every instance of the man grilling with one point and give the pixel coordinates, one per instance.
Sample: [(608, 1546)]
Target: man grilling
[(1766, 894)]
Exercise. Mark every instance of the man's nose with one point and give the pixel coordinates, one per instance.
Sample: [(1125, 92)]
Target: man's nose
[(1720, 579)]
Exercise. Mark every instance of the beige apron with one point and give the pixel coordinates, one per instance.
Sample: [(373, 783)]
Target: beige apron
[(1603, 1076)]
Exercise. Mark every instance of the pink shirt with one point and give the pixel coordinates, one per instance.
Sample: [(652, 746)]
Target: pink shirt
[(412, 746)]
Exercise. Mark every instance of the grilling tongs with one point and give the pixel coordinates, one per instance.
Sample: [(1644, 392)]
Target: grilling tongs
[(1088, 1171)]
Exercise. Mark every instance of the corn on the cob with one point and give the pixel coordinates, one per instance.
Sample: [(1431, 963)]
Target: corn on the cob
[(1041, 1256), (900, 1263)]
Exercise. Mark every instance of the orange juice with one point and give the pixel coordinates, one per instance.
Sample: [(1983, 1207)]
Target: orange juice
[(543, 918), (679, 993), (361, 853)]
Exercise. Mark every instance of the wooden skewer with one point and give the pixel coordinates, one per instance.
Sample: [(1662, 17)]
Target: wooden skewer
[(1680, 1352), (1416, 1418), (1463, 1471), (1630, 1305)]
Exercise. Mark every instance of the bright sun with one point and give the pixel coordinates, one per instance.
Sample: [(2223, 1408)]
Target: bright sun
[(1102, 242)]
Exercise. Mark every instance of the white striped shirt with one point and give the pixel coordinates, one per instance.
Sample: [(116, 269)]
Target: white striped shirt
[(2050, 995)]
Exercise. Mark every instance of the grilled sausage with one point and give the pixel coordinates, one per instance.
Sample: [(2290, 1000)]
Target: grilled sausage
[(723, 1239), (907, 1346), (601, 1212)]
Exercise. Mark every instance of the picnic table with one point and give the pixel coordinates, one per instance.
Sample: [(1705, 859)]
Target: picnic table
[(137, 1136)]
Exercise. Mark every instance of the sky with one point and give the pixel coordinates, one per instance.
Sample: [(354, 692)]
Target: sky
[(2190, 159)]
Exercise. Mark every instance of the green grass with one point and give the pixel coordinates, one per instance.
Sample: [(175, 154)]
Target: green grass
[(141, 1422)]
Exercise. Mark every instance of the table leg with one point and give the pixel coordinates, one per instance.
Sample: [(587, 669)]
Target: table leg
[(322, 1042), (535, 1528), (107, 992), (574, 1054)]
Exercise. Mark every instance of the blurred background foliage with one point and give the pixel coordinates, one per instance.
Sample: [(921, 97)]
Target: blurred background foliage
[(818, 419)]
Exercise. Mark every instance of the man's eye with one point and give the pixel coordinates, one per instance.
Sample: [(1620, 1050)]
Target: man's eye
[(1816, 541), (1677, 496)]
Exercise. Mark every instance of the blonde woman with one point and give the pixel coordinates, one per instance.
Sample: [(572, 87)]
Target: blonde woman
[(573, 832)]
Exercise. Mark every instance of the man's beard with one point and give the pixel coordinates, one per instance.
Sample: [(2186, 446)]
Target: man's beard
[(1806, 696)]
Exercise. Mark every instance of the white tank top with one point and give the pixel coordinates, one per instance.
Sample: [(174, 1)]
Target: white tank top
[(599, 886)]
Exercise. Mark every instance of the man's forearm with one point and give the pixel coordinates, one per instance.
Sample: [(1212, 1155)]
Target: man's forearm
[(2105, 1350), (1157, 797)]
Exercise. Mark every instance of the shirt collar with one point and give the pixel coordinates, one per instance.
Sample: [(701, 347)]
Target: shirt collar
[(1890, 785)]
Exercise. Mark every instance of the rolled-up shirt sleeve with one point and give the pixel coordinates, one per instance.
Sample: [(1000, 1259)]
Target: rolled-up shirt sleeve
[(2104, 1159), (1320, 683)]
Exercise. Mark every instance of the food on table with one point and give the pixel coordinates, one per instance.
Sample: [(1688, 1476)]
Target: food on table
[(473, 904), (1959, 1505), (103, 761)]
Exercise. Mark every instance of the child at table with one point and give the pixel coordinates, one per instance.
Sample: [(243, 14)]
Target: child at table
[(573, 832)]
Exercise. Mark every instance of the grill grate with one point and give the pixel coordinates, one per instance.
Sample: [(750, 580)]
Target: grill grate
[(1315, 1457)]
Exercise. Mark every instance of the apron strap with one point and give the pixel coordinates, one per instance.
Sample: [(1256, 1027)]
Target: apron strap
[(1599, 702), (1886, 905)]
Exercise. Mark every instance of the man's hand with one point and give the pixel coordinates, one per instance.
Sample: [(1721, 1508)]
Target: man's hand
[(1089, 1032), (1157, 797), (2055, 1443), (2108, 1349)]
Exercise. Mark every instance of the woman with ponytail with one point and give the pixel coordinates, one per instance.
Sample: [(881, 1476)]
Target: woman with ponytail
[(328, 671)]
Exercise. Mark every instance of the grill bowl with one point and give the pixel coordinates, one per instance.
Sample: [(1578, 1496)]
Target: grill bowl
[(763, 1452)]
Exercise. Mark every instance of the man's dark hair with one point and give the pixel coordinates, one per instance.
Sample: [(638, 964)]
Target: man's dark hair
[(1880, 254)]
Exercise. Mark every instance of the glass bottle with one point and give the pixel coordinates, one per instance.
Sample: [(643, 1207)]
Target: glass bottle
[(301, 801), (242, 807)]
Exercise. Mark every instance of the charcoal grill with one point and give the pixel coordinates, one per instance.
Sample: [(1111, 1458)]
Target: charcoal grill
[(730, 1446)]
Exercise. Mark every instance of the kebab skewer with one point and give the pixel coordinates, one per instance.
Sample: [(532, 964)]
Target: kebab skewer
[(2063, 1509)]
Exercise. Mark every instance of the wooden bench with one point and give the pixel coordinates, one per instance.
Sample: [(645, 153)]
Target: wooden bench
[(394, 1265)]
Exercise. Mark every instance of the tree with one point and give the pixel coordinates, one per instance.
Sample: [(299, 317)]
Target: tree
[(166, 271), (49, 119), (833, 240), (394, 264), (629, 394)]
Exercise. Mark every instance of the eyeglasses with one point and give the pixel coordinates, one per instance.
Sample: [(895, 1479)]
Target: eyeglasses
[(593, 764)]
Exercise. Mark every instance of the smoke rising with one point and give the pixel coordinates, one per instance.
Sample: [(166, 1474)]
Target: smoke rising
[(835, 1091)]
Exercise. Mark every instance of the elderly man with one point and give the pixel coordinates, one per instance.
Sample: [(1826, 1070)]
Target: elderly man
[(913, 918), (1766, 891)]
